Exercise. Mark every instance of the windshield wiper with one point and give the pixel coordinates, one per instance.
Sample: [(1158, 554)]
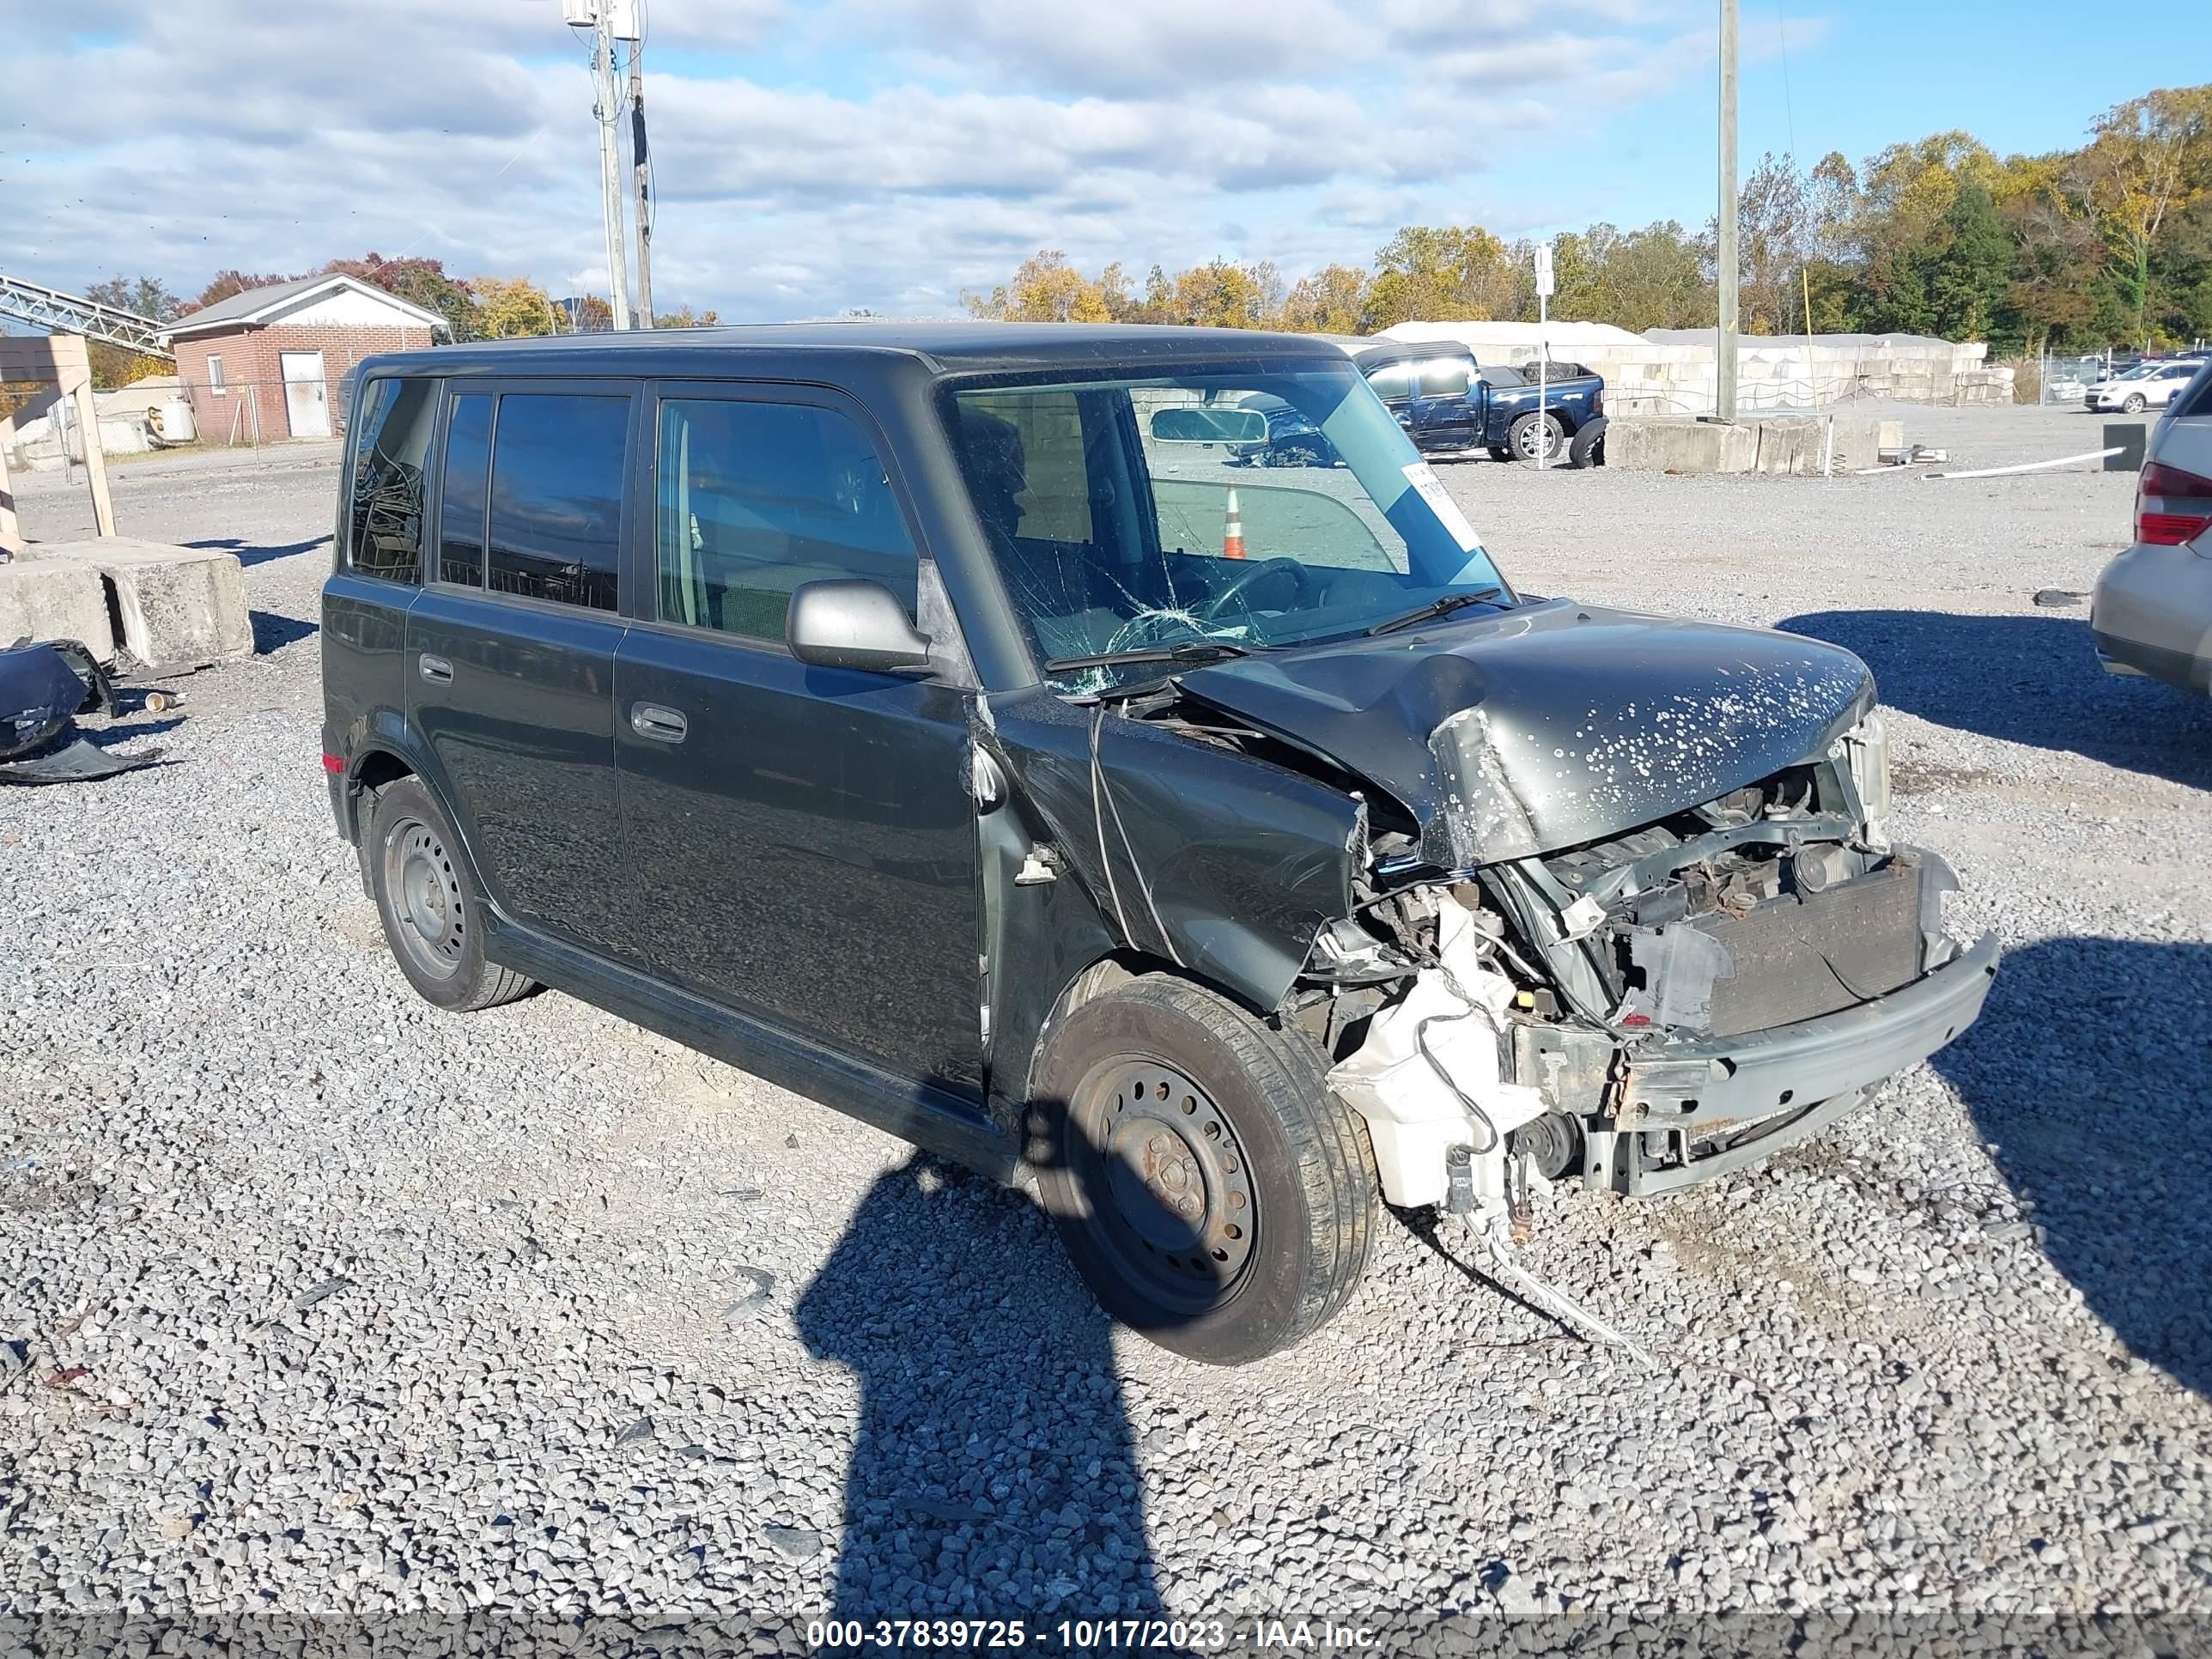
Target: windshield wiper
[(1181, 651), (1442, 605)]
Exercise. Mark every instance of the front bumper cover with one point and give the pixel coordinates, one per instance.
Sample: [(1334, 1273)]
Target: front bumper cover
[(1692, 1110)]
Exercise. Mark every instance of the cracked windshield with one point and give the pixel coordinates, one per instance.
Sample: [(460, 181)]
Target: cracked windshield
[(1144, 519)]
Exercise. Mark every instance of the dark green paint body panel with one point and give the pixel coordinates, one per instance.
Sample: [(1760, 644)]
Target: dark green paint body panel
[(807, 852), (520, 749), (364, 637), (1221, 863)]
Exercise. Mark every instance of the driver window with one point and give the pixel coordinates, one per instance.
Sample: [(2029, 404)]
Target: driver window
[(757, 498), (1444, 377)]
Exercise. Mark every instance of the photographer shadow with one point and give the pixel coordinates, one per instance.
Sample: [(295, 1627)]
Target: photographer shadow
[(994, 1471), (2085, 1077)]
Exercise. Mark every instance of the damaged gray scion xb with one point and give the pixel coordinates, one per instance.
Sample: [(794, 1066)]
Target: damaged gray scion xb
[(974, 727)]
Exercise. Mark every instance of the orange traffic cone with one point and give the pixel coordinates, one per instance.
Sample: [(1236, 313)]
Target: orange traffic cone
[(1232, 532)]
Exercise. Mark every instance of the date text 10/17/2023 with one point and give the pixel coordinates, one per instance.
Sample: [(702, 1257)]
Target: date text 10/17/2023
[(1091, 1635)]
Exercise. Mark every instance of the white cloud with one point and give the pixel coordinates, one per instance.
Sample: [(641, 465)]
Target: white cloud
[(879, 152)]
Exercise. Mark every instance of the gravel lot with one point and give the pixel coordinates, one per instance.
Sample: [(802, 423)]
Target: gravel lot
[(322, 1302)]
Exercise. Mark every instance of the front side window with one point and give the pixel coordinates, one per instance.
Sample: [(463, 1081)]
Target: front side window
[(755, 499), (1443, 377), (385, 533), (1394, 380), (1260, 509), (557, 494)]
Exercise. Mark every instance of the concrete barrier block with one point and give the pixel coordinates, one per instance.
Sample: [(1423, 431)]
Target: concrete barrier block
[(52, 601), (1679, 446), (180, 607)]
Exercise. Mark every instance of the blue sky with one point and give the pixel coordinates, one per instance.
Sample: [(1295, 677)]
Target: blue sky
[(890, 153)]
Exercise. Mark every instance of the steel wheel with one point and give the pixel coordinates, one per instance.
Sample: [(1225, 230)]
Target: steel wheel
[(1179, 1206), (426, 894)]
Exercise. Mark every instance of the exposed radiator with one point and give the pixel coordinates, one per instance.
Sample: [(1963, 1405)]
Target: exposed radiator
[(1805, 955)]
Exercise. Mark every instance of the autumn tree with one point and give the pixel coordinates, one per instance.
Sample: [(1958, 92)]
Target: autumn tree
[(1045, 289), (2144, 168), (509, 308), (683, 317), (419, 282), (1331, 301), (1448, 273), (2059, 255), (115, 365), (1774, 240), (1222, 295), (1654, 277), (226, 283)]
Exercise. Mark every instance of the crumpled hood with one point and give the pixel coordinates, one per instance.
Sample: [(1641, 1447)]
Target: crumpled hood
[(1551, 724)]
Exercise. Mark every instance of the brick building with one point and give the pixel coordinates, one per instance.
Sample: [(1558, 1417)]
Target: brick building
[(281, 353)]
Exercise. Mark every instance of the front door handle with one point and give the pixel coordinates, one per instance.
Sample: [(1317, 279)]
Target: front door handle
[(436, 670), (650, 719)]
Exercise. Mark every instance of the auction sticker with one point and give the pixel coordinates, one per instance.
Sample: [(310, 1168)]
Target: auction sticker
[(1423, 478)]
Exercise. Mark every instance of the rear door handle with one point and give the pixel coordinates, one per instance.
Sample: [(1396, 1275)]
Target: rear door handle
[(436, 670), (650, 719)]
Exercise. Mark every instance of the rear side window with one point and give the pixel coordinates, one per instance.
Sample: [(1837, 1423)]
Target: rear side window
[(755, 499), (461, 497), (385, 536), (556, 490)]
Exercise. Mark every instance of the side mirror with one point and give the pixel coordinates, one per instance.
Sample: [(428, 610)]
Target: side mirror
[(852, 624), (1208, 423)]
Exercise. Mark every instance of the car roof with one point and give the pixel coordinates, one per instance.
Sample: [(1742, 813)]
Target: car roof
[(1388, 352), (958, 347)]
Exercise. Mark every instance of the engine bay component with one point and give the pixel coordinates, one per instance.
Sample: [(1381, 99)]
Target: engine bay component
[(1429, 1075), (1552, 1143)]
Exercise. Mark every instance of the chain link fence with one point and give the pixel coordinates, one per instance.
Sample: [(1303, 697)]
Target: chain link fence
[(2066, 378)]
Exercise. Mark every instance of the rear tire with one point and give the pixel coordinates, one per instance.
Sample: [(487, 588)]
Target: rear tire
[(1535, 436), (1210, 1190), (433, 922)]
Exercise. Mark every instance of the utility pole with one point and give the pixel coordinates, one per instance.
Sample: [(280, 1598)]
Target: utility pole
[(1724, 385), (642, 194), (610, 194)]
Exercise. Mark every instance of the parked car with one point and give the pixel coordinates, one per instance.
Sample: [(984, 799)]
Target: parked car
[(1451, 405), (2152, 610), (887, 709), (2150, 384)]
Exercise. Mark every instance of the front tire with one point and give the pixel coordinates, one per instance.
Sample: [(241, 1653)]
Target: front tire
[(432, 920), (1210, 1191), (2135, 403)]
